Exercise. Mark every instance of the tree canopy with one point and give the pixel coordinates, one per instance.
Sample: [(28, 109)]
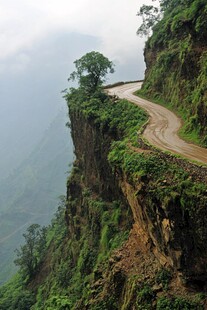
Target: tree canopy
[(91, 71), (151, 14), (30, 254)]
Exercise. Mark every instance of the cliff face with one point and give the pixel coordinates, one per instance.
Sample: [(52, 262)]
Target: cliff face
[(161, 200), (92, 145), (176, 58), (131, 233), (172, 224)]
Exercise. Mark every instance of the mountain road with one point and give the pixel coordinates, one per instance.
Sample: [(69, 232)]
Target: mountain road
[(163, 126)]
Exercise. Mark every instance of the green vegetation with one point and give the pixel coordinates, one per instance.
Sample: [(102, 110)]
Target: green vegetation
[(78, 253), (32, 252), (167, 181), (81, 259), (176, 304), (163, 277), (150, 17), (175, 55), (188, 134), (144, 298), (111, 115), (15, 296), (76, 260), (168, 185), (84, 259), (91, 70)]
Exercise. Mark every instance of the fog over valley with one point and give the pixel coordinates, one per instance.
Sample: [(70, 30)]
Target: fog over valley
[(39, 44), (31, 97)]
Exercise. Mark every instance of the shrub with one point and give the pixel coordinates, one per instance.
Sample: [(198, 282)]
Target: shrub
[(163, 276)]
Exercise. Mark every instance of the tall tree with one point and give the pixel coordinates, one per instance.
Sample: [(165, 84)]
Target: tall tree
[(31, 253), (150, 16), (91, 71)]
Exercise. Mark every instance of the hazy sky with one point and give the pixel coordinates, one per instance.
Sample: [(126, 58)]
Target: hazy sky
[(23, 23), (39, 41)]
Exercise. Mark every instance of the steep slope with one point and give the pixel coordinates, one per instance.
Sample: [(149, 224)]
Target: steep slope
[(176, 58), (132, 231)]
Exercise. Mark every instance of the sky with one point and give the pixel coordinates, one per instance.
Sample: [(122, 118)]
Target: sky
[(24, 23), (39, 42)]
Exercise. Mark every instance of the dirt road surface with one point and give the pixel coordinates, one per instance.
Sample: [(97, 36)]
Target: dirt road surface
[(163, 126)]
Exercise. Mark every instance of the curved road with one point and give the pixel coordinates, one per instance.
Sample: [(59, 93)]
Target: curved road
[(163, 126)]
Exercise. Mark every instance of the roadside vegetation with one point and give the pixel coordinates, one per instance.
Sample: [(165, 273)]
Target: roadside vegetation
[(176, 60)]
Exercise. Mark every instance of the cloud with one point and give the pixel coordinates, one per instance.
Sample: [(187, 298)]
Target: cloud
[(24, 22)]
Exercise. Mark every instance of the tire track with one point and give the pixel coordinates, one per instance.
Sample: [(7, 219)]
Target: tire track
[(162, 129)]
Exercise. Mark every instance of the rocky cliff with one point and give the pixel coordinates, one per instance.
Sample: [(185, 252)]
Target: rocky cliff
[(135, 217), (131, 233)]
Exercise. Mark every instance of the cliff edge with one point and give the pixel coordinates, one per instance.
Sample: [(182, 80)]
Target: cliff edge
[(135, 219)]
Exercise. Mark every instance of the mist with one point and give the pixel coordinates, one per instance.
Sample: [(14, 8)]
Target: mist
[(36, 147), (31, 97), (30, 94)]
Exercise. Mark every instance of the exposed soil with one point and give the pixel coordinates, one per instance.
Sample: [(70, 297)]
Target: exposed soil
[(136, 259)]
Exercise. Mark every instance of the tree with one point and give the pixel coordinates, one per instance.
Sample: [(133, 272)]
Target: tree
[(91, 71), (31, 253), (150, 16)]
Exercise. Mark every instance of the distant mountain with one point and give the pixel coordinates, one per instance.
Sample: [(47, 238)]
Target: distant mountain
[(30, 194)]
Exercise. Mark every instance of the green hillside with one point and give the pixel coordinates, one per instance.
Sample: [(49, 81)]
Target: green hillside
[(131, 232), (176, 60)]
